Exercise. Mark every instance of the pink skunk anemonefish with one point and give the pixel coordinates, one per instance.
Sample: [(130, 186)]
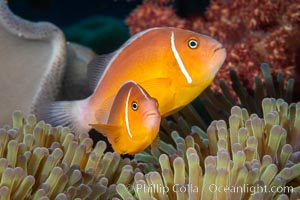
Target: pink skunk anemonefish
[(173, 65), (133, 122)]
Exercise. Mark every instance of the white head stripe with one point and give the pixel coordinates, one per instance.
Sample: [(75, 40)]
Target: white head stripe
[(138, 86), (126, 114), (179, 61), (142, 91)]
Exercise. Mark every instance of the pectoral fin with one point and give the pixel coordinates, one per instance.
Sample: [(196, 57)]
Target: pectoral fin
[(102, 114), (110, 131)]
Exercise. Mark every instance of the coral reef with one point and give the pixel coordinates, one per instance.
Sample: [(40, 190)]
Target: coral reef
[(43, 162), (250, 152), (270, 34)]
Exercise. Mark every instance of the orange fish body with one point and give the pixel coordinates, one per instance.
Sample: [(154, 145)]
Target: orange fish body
[(133, 122), (173, 65), (163, 63)]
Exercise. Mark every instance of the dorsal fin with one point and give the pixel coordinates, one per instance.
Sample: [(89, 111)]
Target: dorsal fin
[(99, 64), (97, 67)]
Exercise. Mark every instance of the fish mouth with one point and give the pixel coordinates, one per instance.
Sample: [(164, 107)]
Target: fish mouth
[(152, 121), (152, 114), (219, 48), (219, 56)]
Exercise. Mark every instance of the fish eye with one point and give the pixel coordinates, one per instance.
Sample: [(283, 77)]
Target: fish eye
[(134, 106), (193, 44)]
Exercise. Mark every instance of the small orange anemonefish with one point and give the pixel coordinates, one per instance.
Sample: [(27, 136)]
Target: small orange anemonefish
[(133, 122)]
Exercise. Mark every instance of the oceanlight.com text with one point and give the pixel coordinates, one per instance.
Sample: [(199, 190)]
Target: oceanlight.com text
[(245, 188)]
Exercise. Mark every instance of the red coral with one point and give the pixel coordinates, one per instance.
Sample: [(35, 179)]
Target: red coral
[(153, 15), (292, 11), (252, 31)]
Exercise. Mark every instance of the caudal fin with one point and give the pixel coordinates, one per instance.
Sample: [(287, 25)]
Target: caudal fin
[(64, 113)]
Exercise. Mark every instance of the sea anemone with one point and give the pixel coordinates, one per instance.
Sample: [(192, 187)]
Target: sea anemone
[(245, 148), (250, 154), (43, 162), (256, 138), (28, 47), (38, 54)]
